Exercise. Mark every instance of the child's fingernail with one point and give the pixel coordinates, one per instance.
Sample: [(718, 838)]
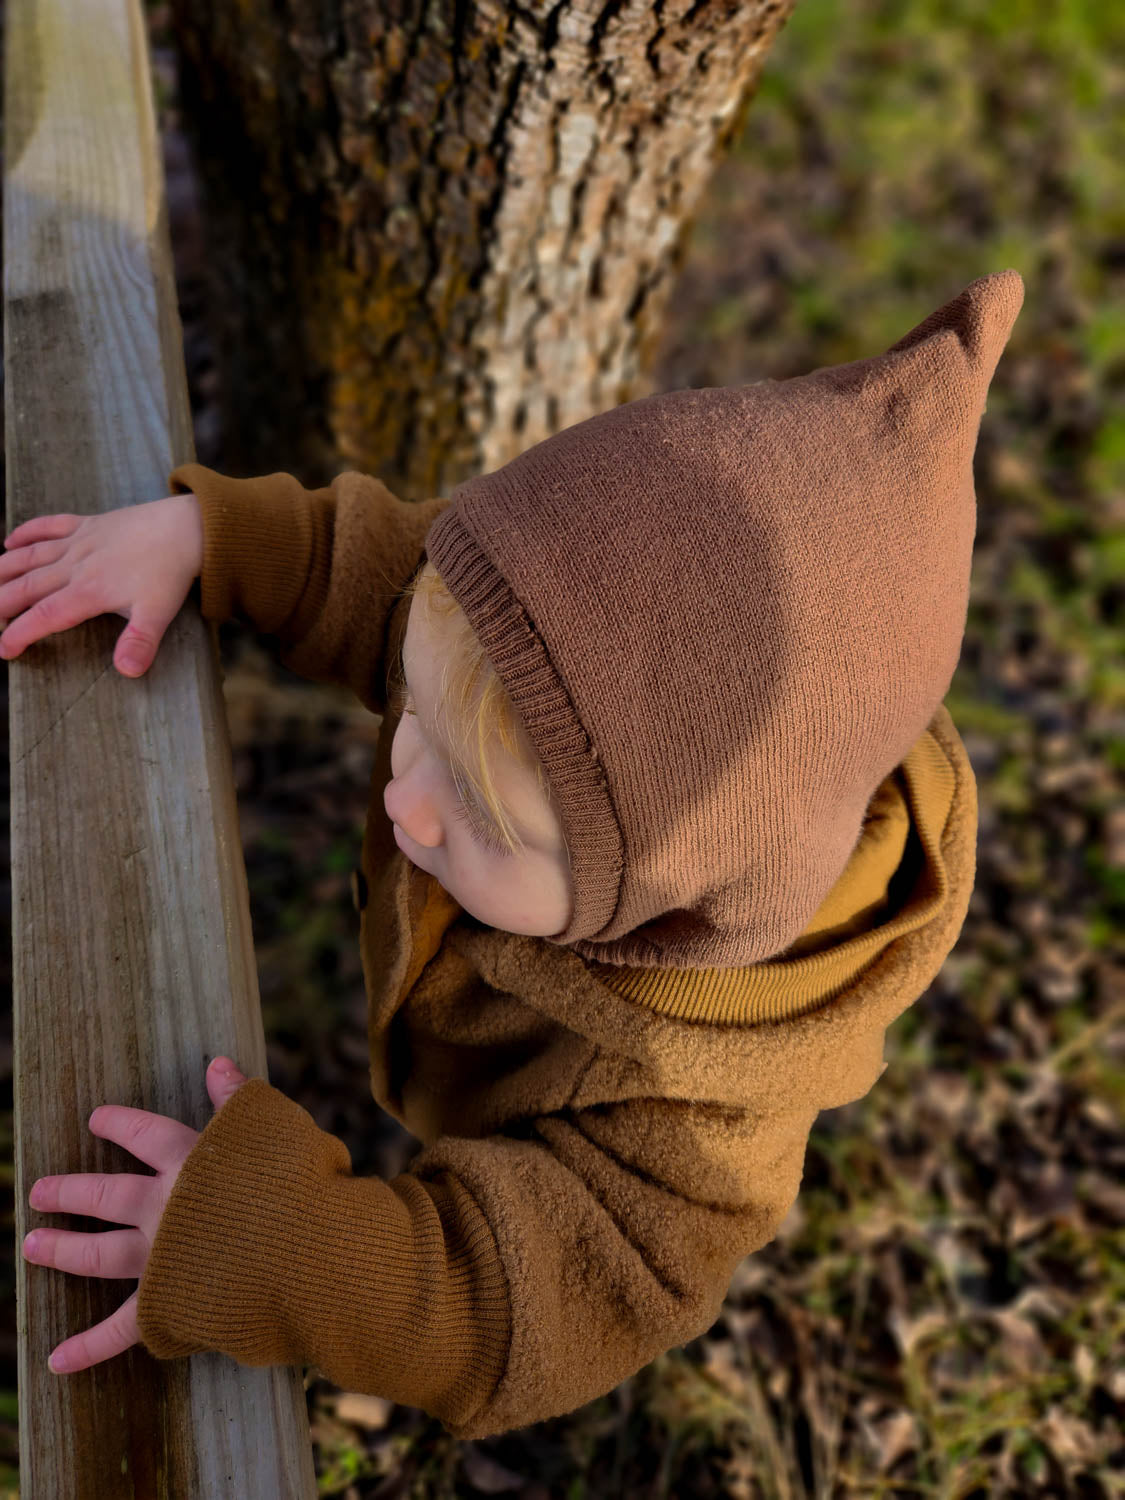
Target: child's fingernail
[(58, 1363)]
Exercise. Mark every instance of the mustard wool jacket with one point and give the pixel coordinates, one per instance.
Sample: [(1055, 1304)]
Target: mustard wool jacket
[(601, 1146)]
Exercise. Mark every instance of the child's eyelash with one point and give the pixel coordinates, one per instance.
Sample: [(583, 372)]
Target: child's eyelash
[(488, 837)]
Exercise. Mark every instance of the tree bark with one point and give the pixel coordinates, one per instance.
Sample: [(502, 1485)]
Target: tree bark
[(441, 232)]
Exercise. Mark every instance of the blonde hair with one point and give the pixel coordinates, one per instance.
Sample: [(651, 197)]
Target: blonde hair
[(474, 706)]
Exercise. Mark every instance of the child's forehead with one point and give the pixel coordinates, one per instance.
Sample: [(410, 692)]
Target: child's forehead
[(423, 628), (424, 653)]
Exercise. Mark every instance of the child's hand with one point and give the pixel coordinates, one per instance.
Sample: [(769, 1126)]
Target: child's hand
[(138, 561), (122, 1198)]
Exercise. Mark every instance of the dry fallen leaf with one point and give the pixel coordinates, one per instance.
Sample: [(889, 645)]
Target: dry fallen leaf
[(889, 1438)]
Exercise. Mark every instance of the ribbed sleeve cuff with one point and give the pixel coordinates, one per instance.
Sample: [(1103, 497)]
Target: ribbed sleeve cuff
[(257, 543), (269, 1250)]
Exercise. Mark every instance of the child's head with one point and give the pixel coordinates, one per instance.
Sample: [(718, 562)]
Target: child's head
[(469, 797), (723, 617)]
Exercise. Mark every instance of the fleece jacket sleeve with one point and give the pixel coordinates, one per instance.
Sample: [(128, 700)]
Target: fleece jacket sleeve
[(500, 1281), (619, 1227), (320, 570), (271, 1251)]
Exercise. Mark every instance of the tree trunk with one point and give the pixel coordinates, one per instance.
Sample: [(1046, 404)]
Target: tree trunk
[(441, 232)]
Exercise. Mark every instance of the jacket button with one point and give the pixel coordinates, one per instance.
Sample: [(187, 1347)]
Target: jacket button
[(359, 889)]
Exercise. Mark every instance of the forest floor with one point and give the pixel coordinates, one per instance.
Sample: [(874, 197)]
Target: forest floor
[(943, 1311)]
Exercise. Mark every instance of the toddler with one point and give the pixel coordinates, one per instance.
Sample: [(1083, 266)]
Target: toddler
[(668, 824)]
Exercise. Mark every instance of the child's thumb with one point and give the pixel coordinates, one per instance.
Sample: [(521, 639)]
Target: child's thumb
[(136, 645), (223, 1080)]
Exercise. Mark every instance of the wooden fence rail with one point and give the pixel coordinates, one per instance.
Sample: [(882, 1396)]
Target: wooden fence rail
[(133, 961)]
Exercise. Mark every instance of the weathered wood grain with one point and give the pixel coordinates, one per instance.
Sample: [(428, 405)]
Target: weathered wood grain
[(133, 961)]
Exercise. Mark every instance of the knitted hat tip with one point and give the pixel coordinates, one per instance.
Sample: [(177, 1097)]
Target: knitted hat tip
[(998, 299), (981, 317)]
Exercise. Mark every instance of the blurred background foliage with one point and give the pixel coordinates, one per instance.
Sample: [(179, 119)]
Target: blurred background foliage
[(941, 1314)]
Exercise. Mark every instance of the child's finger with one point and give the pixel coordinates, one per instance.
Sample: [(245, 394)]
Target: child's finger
[(120, 1197), (23, 560), (113, 1335), (114, 1252), (223, 1080), (59, 524), (48, 615), (157, 1140)]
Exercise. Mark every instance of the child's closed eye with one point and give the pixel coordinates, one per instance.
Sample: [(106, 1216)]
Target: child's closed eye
[(481, 834)]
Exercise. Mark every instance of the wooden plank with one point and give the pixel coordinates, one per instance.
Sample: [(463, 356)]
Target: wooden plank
[(133, 960)]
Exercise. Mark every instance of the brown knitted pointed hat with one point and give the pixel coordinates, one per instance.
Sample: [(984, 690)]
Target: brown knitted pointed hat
[(724, 616)]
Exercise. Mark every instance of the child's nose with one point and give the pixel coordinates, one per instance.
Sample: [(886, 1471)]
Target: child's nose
[(412, 813)]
